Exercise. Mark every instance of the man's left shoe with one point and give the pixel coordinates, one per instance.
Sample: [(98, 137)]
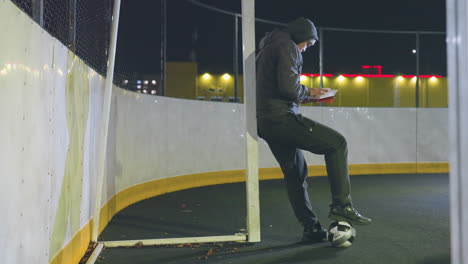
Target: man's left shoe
[(349, 214), (314, 233)]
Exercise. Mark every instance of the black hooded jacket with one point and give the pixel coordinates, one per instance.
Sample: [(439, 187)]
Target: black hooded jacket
[(279, 66)]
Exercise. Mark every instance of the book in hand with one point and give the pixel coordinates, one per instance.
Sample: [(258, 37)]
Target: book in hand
[(330, 93), (324, 98)]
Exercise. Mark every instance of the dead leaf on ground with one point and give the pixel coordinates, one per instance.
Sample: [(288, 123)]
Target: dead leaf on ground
[(210, 252), (139, 245)]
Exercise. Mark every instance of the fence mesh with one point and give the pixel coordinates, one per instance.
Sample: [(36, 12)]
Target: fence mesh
[(25, 5), (81, 25), (56, 19), (93, 24)]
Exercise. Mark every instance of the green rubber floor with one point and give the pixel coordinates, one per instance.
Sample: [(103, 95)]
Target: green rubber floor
[(410, 224)]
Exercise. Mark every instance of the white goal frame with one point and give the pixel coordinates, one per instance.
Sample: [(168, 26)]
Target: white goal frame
[(457, 62), (252, 233)]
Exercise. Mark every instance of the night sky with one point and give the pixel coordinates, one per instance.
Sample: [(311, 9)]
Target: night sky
[(207, 37)]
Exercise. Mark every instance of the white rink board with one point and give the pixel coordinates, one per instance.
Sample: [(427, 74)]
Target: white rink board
[(185, 137)]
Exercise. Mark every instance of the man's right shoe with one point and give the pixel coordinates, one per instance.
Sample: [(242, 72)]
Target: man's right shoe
[(314, 233), (348, 214)]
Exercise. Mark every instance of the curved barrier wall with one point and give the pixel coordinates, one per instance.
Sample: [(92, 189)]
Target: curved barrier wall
[(51, 111)]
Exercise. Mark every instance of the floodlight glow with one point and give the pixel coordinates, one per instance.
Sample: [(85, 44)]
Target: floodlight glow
[(303, 78), (206, 76), (433, 79), (341, 78), (359, 79), (400, 78), (226, 76)]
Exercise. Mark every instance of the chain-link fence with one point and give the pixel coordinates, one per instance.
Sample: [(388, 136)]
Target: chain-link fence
[(82, 25), (25, 5)]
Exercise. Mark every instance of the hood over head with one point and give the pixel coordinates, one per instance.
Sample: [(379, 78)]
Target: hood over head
[(275, 35), (302, 29)]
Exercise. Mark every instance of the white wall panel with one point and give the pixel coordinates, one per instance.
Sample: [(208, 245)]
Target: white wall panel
[(135, 134), (213, 131), (59, 132), (172, 137), (25, 113), (97, 88), (153, 137), (432, 134), (370, 133)]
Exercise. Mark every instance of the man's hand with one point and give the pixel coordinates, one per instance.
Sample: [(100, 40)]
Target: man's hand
[(317, 92)]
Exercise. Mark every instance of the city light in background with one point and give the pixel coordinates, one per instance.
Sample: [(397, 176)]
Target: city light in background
[(206, 76)]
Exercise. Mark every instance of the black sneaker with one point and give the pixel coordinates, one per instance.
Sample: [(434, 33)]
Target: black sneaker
[(348, 214), (314, 233)]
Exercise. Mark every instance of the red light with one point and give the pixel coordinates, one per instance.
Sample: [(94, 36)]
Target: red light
[(378, 67), (429, 76), (317, 75), (422, 76), (370, 75)]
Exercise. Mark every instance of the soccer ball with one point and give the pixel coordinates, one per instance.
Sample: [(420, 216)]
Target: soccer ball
[(341, 234)]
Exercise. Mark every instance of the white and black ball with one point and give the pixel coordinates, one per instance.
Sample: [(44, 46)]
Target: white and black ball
[(341, 234)]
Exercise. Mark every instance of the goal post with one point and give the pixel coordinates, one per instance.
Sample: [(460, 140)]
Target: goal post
[(252, 233), (106, 110), (248, 51)]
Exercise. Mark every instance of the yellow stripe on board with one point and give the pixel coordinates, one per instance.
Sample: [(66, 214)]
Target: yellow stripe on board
[(76, 248)]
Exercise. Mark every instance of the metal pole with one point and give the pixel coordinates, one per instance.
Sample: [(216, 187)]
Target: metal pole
[(381, 31), (236, 57), (38, 11), (457, 58), (321, 57), (105, 119), (163, 46), (417, 70), (72, 26), (248, 44)]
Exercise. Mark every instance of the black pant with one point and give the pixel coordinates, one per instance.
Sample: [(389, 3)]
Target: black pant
[(286, 135)]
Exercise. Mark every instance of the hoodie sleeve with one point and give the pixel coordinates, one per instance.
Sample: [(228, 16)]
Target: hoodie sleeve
[(289, 74)]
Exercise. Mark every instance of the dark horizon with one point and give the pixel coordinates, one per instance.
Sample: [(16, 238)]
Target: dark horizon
[(207, 37)]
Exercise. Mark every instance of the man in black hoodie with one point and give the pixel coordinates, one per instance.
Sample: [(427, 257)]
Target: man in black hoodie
[(279, 66)]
